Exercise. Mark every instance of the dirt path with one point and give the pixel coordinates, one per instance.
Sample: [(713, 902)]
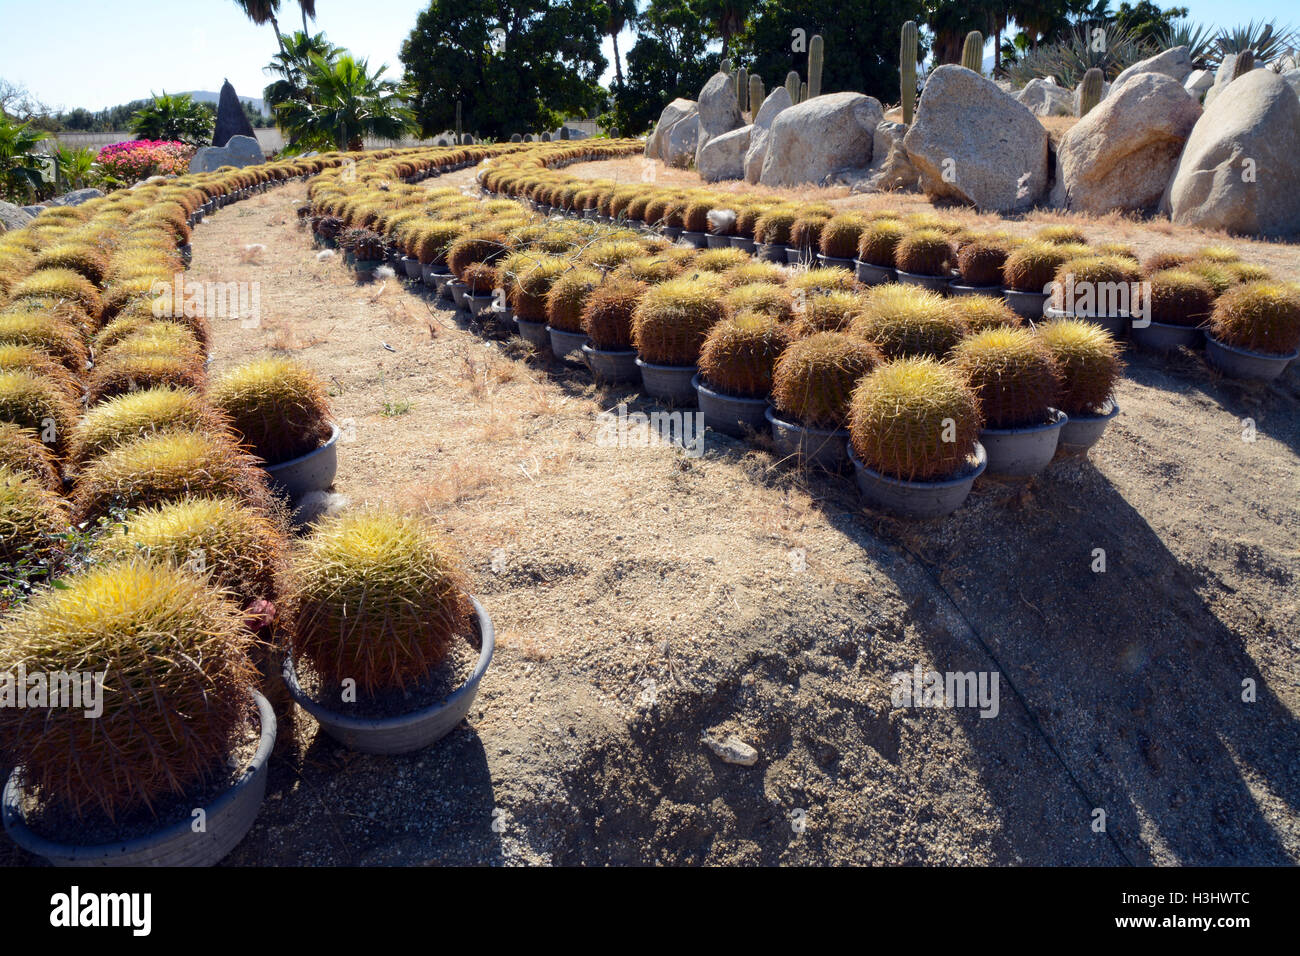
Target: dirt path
[(644, 599)]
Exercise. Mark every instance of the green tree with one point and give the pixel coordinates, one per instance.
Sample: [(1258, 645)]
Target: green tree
[(174, 117), (861, 42), (291, 65), (513, 65), (1147, 20), (344, 103), (20, 170), (725, 18), (670, 59)]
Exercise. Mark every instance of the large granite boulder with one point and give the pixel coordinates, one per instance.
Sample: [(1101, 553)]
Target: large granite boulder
[(719, 112), (1121, 155), (821, 139), (723, 157), (231, 118), (890, 169), (240, 151), (76, 197), (13, 217), (679, 147), (973, 143), (1198, 82), (1175, 63), (1293, 78), (658, 140), (1223, 76), (1240, 169), (761, 131), (1044, 98)]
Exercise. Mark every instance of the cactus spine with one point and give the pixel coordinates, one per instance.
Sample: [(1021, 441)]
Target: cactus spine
[(756, 92), (972, 52), (459, 135), (742, 89), (907, 70), (816, 56), (1245, 63), (792, 86), (1090, 91)]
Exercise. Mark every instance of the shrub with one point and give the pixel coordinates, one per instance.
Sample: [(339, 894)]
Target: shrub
[(980, 263), (239, 549), (740, 353), (1179, 297), (30, 512), (926, 252), (1031, 266), (1088, 360), (177, 659), (907, 320), (155, 469), (607, 316), (672, 319), (277, 406), (901, 414), (568, 296), (879, 242), (1259, 316), (1012, 372), (377, 597), (815, 377)]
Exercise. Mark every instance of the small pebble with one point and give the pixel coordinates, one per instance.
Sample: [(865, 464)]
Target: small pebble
[(733, 750)]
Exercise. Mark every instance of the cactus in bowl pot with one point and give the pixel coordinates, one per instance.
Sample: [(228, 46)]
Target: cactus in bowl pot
[(1014, 374), (815, 377), (740, 354), (672, 320), (277, 406)]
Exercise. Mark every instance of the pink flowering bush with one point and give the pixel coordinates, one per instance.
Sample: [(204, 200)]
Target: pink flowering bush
[(141, 158)]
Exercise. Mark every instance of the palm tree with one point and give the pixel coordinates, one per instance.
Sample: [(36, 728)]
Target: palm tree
[(173, 117), (20, 171), (308, 8), (292, 65), (726, 17), (344, 103), (264, 11), (619, 14)]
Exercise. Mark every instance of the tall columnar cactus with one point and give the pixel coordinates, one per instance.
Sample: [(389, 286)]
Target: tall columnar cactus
[(972, 52), (1245, 63), (459, 135), (726, 65), (907, 70), (742, 89), (803, 92), (756, 92), (816, 55), (1090, 90), (792, 86)]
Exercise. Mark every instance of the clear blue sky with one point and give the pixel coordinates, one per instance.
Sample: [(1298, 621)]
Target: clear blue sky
[(99, 53)]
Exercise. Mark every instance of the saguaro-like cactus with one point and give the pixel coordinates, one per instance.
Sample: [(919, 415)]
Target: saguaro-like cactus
[(756, 92), (792, 86), (816, 55), (1090, 91), (742, 89), (907, 70), (1245, 63), (803, 92), (972, 52)]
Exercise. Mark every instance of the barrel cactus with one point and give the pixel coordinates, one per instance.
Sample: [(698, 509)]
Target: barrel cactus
[(904, 320), (607, 314), (1259, 316), (1088, 360), (926, 252), (740, 353), (1013, 373), (672, 320), (278, 407), (815, 377)]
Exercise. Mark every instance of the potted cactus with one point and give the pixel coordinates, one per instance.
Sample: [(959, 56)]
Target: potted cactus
[(906, 321), (470, 249), (772, 234), (669, 326), (1255, 330), (914, 425), (736, 366), (876, 247), (1180, 303), (806, 236), (163, 759), (368, 253), (811, 385), (607, 320), (695, 223), (1088, 360), (531, 277), (432, 243), (839, 240), (1015, 376), (387, 646), (925, 257), (1028, 275), (979, 264), (280, 409), (565, 301), (1101, 289)]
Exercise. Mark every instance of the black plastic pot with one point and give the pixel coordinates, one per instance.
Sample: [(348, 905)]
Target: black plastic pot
[(534, 333), (957, 287), (869, 274), (1081, 432), (567, 345), (1163, 337), (1115, 325), (668, 383), (823, 447), (1021, 452), (1243, 363), (917, 499), (727, 413), (933, 283), (1028, 305), (612, 367)]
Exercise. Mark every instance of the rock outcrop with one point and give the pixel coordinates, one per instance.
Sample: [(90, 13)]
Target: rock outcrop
[(822, 139)]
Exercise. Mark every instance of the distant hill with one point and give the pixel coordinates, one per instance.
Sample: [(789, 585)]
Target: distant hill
[(207, 96)]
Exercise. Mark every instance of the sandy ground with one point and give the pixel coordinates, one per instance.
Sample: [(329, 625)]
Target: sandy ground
[(645, 599)]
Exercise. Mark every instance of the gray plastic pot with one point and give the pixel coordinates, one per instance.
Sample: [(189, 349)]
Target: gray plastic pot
[(412, 267), (1028, 305), (567, 345), (933, 283), (727, 413), (1243, 363), (1115, 325), (668, 383), (227, 820), (834, 262), (769, 252), (671, 233), (313, 471), (459, 293), (917, 499), (479, 305), (718, 242), (428, 274), (744, 244), (611, 366), (1162, 337), (955, 287), (1081, 432), (795, 256), (869, 274), (1020, 452), (534, 333), (443, 282), (407, 732), (697, 239), (823, 447)]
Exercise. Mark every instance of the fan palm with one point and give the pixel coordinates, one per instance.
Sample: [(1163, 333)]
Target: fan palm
[(20, 171), (292, 64), (344, 103), (619, 14), (262, 12), (175, 117)]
